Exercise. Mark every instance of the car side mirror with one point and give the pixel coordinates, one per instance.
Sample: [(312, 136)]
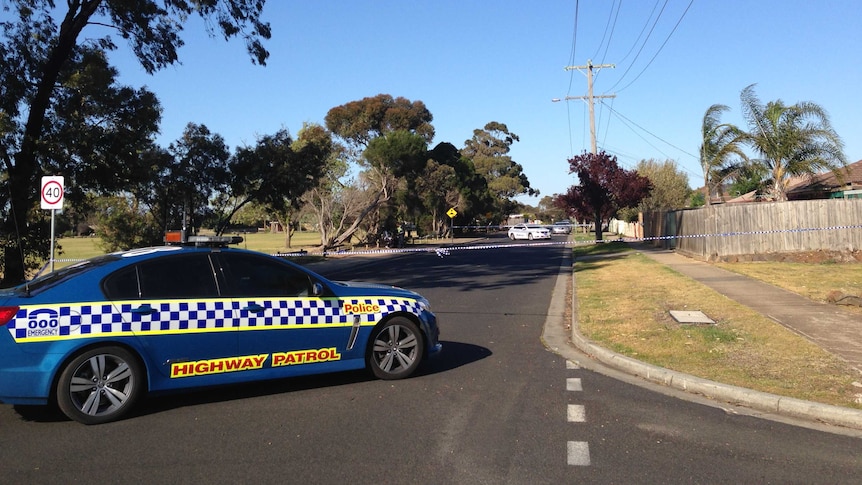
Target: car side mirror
[(316, 289)]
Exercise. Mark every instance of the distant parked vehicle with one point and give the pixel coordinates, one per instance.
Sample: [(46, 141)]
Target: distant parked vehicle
[(529, 231), (562, 227)]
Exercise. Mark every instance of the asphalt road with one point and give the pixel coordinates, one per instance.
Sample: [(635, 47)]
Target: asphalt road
[(496, 406)]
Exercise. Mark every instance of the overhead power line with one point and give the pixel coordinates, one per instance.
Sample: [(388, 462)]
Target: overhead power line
[(642, 46), (648, 132), (660, 47)]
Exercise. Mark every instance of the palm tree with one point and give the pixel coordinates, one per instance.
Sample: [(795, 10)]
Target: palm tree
[(720, 145), (792, 141)]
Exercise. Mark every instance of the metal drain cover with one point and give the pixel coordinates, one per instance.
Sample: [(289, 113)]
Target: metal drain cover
[(690, 317)]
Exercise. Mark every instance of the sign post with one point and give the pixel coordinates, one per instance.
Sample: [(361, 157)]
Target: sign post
[(452, 213), (52, 199)]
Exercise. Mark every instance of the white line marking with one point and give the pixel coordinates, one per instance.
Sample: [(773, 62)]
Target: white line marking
[(571, 365), (574, 384), (576, 413), (578, 453)]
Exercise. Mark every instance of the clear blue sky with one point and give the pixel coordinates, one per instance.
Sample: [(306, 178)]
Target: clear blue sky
[(472, 62)]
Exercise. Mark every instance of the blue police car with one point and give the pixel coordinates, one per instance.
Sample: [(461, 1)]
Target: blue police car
[(96, 336)]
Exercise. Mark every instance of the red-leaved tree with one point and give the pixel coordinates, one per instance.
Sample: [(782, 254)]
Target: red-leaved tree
[(604, 189)]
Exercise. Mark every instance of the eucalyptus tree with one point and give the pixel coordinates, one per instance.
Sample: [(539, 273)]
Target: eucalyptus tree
[(721, 153), (199, 171), (335, 200), (277, 172), (388, 139), (489, 150), (175, 194), (38, 57), (94, 136), (790, 141), (465, 190), (397, 159)]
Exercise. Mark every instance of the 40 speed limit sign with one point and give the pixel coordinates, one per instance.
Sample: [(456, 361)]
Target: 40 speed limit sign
[(52, 192)]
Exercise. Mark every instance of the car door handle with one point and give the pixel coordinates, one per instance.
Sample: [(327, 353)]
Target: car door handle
[(144, 310), (254, 307)]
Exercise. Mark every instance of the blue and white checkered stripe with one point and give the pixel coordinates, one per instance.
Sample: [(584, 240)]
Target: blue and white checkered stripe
[(54, 322), (306, 311)]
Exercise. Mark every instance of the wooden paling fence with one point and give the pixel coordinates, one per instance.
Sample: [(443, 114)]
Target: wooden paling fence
[(720, 231)]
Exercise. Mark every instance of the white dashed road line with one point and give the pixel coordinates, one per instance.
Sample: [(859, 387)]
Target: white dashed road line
[(577, 452), (574, 384), (576, 413)]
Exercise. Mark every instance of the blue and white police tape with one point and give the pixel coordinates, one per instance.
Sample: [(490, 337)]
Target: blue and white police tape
[(445, 250)]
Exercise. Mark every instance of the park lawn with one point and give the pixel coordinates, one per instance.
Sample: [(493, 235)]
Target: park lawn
[(71, 249)]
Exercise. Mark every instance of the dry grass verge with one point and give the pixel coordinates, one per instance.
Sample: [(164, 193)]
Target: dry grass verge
[(624, 299)]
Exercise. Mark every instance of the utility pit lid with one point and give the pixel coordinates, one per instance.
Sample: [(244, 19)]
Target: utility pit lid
[(690, 317)]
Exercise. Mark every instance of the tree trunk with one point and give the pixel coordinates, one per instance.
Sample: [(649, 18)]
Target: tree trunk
[(598, 220), (23, 176), (381, 197), (288, 231)]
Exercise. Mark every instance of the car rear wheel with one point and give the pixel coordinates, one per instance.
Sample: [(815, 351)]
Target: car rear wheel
[(530, 236), (99, 385), (396, 349)]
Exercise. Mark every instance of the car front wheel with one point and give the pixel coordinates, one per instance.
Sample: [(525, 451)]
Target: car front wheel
[(396, 349), (530, 236), (99, 385)]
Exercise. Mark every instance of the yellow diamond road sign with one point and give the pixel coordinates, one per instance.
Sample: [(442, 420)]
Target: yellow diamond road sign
[(452, 213)]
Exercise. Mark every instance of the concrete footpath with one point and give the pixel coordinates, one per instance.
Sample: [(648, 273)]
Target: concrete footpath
[(833, 328)]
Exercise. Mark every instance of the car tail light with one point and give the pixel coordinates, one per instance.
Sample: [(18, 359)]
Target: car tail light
[(7, 313)]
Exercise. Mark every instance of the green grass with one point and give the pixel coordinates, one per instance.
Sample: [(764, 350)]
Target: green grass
[(76, 248), (624, 302)]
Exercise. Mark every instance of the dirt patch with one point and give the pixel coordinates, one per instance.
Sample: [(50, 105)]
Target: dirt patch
[(840, 298)]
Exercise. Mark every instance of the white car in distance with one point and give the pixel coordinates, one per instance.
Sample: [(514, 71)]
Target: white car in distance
[(529, 231)]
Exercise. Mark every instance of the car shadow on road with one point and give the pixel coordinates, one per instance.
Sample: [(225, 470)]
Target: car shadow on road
[(453, 355)]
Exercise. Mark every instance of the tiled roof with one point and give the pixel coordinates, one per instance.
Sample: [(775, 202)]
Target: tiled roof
[(828, 181)]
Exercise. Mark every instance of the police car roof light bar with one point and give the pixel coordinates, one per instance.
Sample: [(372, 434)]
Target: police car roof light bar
[(179, 238), (214, 240)]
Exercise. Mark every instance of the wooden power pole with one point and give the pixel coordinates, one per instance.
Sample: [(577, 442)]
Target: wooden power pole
[(590, 98)]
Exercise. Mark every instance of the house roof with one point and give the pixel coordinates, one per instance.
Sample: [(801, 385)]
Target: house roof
[(827, 181), (749, 197)]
